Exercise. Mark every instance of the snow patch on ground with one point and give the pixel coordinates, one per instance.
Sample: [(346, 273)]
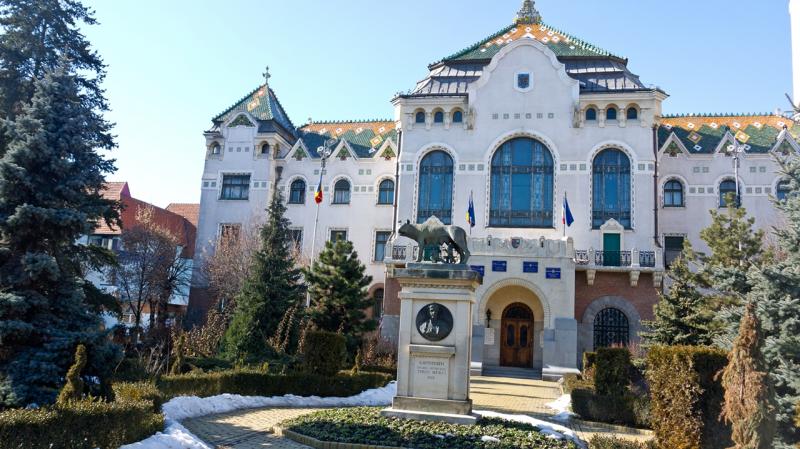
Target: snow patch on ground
[(562, 406), (175, 436), (555, 431)]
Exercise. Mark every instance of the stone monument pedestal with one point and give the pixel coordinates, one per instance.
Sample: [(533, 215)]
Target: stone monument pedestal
[(435, 344)]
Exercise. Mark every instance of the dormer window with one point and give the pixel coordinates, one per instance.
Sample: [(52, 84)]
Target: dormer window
[(458, 117), (438, 117), (611, 113), (591, 115), (420, 117)]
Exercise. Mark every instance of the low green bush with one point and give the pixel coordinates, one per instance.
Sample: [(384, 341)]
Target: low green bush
[(610, 409), (612, 371), (207, 364), (257, 383), (139, 391), (79, 425), (571, 381), (323, 353), (687, 396), (588, 364), (599, 442), (365, 425)]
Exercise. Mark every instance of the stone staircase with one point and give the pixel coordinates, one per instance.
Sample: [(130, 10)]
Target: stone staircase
[(511, 372)]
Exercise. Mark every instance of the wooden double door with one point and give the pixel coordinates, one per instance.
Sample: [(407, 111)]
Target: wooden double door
[(516, 334)]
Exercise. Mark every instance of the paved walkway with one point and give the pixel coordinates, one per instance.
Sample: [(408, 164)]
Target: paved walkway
[(252, 429)]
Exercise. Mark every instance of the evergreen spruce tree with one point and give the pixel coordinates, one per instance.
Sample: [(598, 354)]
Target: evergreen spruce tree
[(51, 177), (749, 398), (682, 316), (776, 293), (338, 289), (272, 287)]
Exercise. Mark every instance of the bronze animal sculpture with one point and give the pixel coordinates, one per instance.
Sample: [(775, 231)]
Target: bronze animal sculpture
[(433, 233)]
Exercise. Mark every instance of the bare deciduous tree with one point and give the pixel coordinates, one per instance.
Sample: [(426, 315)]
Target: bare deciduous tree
[(226, 269)]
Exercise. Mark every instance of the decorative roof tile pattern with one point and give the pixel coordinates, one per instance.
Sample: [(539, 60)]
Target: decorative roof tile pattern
[(562, 44), (364, 137), (261, 103), (702, 134)]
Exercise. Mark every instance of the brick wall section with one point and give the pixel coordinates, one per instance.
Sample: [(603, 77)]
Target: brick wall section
[(644, 296), (391, 303)]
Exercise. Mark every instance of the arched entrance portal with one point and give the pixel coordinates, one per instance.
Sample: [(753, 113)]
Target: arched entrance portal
[(516, 340)]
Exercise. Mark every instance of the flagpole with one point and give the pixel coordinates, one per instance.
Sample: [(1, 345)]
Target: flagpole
[(564, 214), (324, 153)]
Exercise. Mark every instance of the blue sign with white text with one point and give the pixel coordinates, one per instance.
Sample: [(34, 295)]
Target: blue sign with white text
[(553, 273), (478, 268), (530, 267), (499, 265)]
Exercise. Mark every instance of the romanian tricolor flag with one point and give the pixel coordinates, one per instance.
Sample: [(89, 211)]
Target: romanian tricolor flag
[(318, 193)]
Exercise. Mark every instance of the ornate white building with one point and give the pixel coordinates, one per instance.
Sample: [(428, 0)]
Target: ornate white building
[(528, 115)]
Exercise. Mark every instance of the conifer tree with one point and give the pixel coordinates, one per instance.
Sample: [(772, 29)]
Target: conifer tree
[(73, 389), (272, 287), (338, 288), (51, 177), (749, 398), (776, 293), (682, 316)]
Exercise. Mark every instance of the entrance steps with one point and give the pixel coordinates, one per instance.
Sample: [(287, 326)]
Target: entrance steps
[(511, 372)]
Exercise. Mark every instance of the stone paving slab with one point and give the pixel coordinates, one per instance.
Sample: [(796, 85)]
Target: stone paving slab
[(252, 429)]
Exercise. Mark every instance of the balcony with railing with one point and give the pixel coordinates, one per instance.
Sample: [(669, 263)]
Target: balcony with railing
[(632, 261)]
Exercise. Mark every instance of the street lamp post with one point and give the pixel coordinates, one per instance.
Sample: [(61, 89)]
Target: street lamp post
[(325, 152)]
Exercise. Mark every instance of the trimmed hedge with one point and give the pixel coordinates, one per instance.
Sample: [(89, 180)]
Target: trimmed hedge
[(138, 392), (687, 396), (588, 364), (599, 442), (612, 371), (610, 409), (257, 383), (323, 352), (79, 425)]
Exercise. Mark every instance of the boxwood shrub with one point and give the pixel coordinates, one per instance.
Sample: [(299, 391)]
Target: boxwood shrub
[(612, 371), (687, 396), (79, 425), (600, 442), (139, 391), (258, 383), (603, 408), (323, 352), (588, 364)]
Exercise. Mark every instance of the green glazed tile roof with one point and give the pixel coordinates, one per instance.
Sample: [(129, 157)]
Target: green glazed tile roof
[(364, 137), (262, 106), (702, 134)]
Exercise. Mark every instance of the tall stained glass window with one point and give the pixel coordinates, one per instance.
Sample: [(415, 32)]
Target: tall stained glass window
[(611, 188), (436, 187), (522, 185)]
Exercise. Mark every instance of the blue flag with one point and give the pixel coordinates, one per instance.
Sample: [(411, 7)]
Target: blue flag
[(567, 218), (471, 212)]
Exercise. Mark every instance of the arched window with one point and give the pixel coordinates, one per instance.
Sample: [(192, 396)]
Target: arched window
[(216, 148), (297, 192), (726, 187), (420, 117), (265, 148), (438, 117), (611, 328), (386, 192), (611, 113), (458, 117), (633, 113), (673, 194), (591, 114), (377, 304), (522, 185), (436, 187), (611, 188), (783, 189), (341, 192)]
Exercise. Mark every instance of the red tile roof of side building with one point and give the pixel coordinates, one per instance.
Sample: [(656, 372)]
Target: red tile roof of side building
[(182, 227), (189, 211)]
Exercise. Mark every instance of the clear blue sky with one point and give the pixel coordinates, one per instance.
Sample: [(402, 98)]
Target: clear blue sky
[(175, 64)]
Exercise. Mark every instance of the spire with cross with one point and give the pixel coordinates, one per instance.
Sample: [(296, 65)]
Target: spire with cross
[(266, 76), (528, 13)]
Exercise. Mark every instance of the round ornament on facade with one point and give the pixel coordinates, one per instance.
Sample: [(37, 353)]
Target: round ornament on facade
[(434, 322)]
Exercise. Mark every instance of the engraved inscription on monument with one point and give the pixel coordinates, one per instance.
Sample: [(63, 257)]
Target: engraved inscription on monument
[(431, 377), (434, 322)]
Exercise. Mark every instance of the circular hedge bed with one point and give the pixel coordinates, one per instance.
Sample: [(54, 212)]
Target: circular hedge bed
[(365, 425)]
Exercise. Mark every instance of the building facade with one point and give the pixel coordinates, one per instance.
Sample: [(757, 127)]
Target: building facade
[(520, 123)]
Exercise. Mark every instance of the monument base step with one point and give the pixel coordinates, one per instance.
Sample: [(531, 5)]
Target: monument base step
[(441, 406), (511, 372), (556, 373), (468, 420)]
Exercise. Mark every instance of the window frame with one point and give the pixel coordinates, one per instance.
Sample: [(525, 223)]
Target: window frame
[(336, 231), (389, 201), (458, 116), (438, 117), (670, 192), (612, 111), (427, 177), (611, 314), (226, 191), (634, 110), (782, 193), (593, 111), (298, 242), (418, 115), (375, 249), (300, 191), (341, 196), (622, 211), (721, 196)]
